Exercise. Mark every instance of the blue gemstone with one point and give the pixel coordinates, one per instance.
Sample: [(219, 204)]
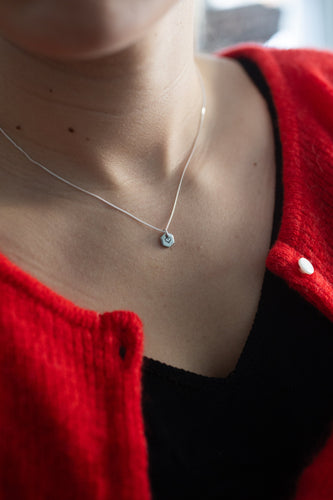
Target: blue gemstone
[(167, 240)]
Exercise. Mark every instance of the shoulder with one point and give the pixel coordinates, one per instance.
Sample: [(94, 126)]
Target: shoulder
[(299, 79), (296, 62)]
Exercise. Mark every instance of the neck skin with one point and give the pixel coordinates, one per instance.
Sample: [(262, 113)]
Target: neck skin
[(110, 124)]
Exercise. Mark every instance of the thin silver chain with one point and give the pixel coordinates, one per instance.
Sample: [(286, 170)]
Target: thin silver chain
[(165, 230)]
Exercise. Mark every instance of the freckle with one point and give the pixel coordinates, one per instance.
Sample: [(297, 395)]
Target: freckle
[(87, 138), (50, 90), (18, 127), (71, 129), (255, 163)]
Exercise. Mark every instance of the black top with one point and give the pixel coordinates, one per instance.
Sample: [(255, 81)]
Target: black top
[(248, 435)]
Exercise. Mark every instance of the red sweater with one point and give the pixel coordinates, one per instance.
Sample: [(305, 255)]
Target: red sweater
[(70, 400)]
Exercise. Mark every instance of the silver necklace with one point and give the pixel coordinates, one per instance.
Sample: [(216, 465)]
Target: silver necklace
[(167, 239)]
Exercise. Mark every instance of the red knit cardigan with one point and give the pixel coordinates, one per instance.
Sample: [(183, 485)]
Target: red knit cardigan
[(71, 424)]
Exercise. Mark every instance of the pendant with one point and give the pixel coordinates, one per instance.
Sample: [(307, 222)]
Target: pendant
[(167, 239)]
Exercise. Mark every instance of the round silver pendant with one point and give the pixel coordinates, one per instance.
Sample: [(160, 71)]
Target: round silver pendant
[(167, 240)]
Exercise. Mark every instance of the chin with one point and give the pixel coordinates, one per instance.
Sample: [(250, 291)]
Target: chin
[(85, 46), (72, 50), (94, 31)]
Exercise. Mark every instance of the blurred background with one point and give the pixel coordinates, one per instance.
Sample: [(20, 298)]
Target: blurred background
[(276, 23)]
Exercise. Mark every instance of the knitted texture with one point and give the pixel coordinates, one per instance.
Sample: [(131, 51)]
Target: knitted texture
[(70, 419), (301, 83), (70, 379)]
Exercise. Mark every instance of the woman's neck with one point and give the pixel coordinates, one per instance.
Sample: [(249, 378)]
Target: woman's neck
[(128, 117)]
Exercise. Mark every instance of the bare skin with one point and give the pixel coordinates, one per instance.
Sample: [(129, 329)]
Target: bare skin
[(197, 300)]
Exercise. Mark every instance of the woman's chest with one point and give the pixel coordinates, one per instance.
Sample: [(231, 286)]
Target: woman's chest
[(197, 300)]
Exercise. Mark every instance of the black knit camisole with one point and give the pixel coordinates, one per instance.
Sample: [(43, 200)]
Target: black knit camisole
[(249, 435)]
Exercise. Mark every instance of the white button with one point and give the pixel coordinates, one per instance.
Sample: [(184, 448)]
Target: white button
[(305, 266)]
